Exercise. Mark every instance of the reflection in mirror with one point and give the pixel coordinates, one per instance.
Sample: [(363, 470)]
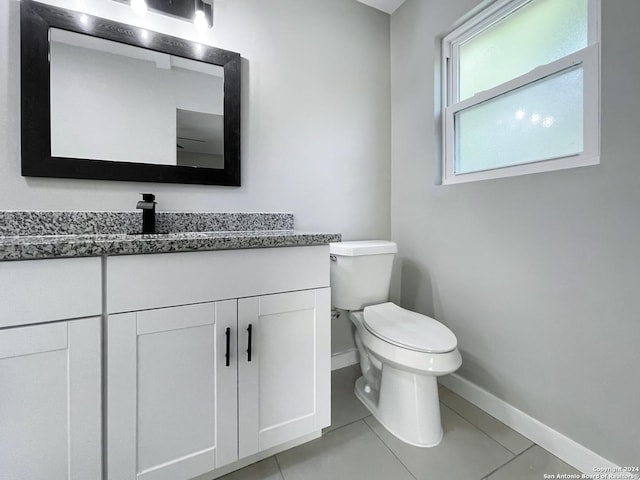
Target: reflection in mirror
[(118, 102), (200, 139)]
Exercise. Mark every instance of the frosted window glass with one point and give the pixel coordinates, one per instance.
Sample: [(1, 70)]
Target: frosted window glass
[(539, 121), (538, 33)]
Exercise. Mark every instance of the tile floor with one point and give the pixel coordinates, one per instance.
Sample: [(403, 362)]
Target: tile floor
[(476, 446)]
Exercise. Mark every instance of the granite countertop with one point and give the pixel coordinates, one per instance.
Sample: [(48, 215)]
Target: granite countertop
[(25, 247), (276, 231)]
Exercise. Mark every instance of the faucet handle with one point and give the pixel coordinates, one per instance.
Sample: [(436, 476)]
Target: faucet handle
[(148, 197)]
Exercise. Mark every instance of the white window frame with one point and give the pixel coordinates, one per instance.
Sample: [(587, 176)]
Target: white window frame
[(588, 58)]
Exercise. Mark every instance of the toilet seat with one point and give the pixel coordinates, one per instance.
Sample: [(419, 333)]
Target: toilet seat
[(408, 329)]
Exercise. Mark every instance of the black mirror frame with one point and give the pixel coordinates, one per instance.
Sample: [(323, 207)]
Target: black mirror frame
[(35, 21)]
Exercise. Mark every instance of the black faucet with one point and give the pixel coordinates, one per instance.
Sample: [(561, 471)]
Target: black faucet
[(148, 207)]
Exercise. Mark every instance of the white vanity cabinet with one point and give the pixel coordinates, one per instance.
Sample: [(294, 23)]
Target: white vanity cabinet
[(50, 369), (284, 386), (172, 397), (223, 354)]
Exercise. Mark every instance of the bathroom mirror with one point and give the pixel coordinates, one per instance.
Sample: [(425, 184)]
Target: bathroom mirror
[(104, 100)]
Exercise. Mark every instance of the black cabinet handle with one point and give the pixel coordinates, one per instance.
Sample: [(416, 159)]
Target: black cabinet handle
[(249, 328), (226, 355)]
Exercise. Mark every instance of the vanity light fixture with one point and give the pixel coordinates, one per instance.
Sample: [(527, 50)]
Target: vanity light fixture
[(200, 21), (198, 12), (139, 7)]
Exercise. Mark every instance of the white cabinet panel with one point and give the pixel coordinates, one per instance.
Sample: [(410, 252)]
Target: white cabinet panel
[(50, 405), (17, 342), (170, 392), (194, 277), (177, 405), (284, 390), (176, 395), (38, 291)]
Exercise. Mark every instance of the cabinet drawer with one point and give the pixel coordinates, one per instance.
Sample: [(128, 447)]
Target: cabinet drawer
[(35, 291), (140, 282)]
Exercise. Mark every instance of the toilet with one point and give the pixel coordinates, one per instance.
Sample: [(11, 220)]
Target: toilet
[(401, 352)]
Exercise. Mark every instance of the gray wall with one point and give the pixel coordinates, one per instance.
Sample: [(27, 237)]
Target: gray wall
[(537, 275), (315, 116), (315, 119)]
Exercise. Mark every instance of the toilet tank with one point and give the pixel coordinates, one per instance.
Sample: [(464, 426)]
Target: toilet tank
[(361, 273)]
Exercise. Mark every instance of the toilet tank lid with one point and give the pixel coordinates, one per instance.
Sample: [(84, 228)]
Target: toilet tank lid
[(362, 247)]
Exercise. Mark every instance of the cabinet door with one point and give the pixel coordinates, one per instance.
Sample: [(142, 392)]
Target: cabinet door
[(50, 401), (172, 400), (284, 387)]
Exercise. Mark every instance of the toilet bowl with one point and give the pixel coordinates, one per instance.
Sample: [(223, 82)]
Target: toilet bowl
[(398, 383), (401, 352)]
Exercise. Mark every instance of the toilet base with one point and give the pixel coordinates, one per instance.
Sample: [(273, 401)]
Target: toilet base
[(407, 405)]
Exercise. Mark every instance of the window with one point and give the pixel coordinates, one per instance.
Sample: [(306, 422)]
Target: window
[(521, 90)]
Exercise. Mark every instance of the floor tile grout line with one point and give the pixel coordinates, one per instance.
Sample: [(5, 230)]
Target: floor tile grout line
[(507, 462), (515, 455), (389, 448), (345, 425), (275, 457), (442, 404), (482, 430)]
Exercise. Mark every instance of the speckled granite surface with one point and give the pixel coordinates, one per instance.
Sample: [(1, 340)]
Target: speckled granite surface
[(191, 231), (18, 222)]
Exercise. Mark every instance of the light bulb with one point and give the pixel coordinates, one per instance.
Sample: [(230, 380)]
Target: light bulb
[(139, 7), (200, 22)]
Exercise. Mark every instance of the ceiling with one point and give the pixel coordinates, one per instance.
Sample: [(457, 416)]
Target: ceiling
[(388, 6)]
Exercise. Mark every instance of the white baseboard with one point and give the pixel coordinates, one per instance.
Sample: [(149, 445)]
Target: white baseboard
[(571, 452), (344, 359)]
